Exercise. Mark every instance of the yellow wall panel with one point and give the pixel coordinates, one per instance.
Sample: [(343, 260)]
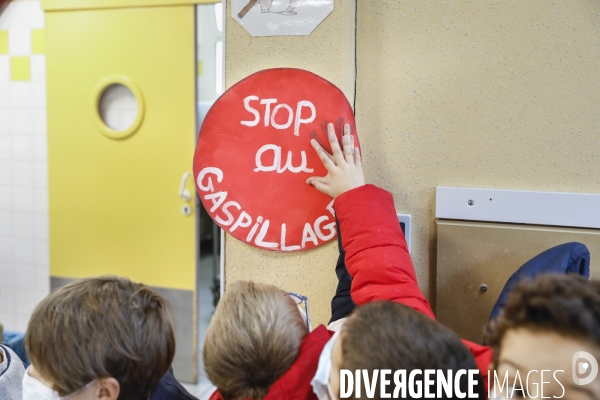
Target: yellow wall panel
[(114, 204), (54, 5), (38, 41), (3, 42), (20, 69)]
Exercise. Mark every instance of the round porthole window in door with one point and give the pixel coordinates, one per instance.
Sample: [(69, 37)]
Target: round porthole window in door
[(119, 107)]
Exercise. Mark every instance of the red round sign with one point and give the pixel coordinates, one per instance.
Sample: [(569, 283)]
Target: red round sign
[(254, 155)]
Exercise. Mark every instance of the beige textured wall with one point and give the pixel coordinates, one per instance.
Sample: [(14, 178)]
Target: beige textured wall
[(328, 52), (477, 94)]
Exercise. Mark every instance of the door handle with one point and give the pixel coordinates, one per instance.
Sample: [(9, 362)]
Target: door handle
[(183, 192)]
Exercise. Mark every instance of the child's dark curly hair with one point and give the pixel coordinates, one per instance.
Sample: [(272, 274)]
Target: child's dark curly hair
[(566, 304)]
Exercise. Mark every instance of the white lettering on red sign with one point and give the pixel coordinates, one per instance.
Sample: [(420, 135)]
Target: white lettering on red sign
[(321, 230), (270, 118), (277, 161)]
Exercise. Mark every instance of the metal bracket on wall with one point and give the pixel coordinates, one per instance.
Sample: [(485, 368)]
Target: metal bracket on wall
[(518, 206)]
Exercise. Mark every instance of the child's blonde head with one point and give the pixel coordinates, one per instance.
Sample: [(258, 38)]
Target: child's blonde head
[(253, 339)]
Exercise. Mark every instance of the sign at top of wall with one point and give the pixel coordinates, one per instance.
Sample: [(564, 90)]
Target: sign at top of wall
[(280, 17), (254, 156)]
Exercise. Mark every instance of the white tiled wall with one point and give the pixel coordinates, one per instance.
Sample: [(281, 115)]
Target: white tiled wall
[(24, 250)]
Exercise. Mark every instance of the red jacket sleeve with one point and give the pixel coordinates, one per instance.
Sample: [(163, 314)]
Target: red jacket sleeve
[(483, 358), (215, 395), (377, 257)]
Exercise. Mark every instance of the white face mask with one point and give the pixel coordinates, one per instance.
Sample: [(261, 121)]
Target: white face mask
[(36, 390), (320, 382)]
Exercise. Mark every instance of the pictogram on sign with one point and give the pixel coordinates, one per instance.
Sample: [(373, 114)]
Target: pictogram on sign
[(280, 17)]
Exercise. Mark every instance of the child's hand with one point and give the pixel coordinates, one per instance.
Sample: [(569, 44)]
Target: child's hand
[(344, 168)]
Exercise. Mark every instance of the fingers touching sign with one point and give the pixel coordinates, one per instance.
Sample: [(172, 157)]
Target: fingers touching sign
[(344, 166)]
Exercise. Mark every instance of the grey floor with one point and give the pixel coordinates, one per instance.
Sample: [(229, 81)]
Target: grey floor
[(203, 389)]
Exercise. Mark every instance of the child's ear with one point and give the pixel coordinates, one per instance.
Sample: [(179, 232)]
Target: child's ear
[(106, 389)]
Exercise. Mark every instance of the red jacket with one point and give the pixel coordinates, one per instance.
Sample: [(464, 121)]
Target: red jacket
[(377, 257), (381, 269)]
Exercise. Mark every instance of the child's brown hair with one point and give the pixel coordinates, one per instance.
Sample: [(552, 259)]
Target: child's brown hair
[(253, 339), (98, 328), (388, 335)]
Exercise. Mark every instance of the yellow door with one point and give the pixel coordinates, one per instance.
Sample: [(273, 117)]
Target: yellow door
[(115, 200)]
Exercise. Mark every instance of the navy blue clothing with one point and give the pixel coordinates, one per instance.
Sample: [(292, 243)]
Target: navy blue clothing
[(15, 341), (342, 304), (168, 388), (568, 258)]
